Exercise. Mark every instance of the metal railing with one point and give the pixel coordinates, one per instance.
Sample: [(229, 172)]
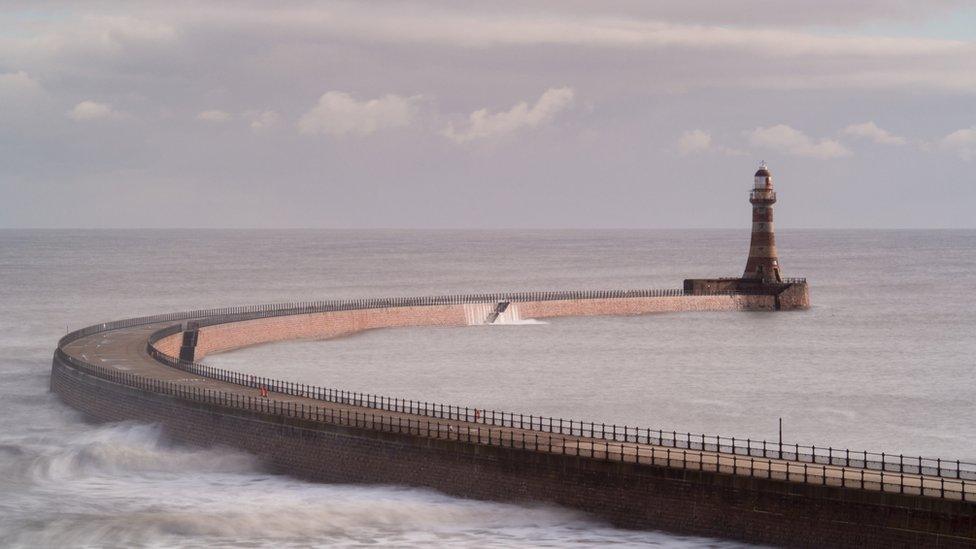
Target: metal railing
[(812, 454), (524, 440), (736, 447), (760, 287), (244, 312)]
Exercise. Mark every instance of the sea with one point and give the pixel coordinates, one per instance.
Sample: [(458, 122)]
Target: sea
[(883, 361)]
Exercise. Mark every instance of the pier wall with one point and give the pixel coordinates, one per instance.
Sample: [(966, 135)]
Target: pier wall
[(673, 494), (625, 494), (233, 335)]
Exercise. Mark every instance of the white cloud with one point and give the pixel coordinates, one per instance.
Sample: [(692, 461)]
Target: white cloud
[(214, 116), (18, 83), (339, 113), (789, 140), (262, 120), (482, 124), (694, 141), (869, 130), (698, 141), (92, 110), (962, 142)]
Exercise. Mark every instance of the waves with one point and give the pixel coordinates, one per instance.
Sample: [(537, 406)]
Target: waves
[(132, 448), (126, 485)]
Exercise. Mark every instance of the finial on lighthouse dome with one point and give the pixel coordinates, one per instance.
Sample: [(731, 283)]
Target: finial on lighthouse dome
[(763, 171)]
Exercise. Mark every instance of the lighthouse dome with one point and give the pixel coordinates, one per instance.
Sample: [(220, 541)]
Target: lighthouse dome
[(764, 179)]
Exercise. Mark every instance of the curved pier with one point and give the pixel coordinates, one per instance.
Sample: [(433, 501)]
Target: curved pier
[(632, 476)]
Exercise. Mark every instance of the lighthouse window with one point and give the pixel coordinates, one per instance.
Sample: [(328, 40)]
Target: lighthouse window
[(761, 209)]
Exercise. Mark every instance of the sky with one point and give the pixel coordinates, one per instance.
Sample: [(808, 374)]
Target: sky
[(506, 114)]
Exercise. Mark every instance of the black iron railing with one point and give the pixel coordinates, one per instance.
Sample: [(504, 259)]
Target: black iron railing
[(807, 455), (738, 446), (548, 442)]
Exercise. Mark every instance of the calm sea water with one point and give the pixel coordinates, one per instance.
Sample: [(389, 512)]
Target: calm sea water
[(883, 361)]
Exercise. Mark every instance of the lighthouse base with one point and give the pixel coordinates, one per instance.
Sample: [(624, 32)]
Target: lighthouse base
[(790, 294)]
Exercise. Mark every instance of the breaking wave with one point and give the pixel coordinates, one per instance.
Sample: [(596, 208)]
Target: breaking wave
[(126, 485), (133, 448)]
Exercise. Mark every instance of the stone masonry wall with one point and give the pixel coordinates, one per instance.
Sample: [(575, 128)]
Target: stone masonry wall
[(797, 296), (223, 337), (643, 305), (170, 345), (627, 495)]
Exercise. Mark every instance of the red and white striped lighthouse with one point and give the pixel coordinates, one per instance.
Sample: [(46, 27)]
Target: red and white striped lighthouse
[(763, 264)]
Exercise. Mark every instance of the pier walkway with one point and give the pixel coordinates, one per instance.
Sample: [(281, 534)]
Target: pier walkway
[(125, 350), (756, 491)]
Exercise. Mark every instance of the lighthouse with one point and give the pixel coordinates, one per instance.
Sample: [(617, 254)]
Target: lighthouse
[(763, 264), (762, 285)]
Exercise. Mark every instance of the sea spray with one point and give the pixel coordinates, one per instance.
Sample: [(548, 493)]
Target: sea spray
[(130, 447), (125, 484)]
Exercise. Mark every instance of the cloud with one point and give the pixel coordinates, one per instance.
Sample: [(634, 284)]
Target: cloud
[(962, 142), (869, 130), (262, 120), (694, 141), (338, 113), (482, 124), (18, 83), (698, 141), (789, 140), (91, 37), (214, 116), (92, 110), (561, 26)]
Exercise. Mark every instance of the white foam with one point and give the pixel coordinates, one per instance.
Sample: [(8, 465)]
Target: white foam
[(477, 314)]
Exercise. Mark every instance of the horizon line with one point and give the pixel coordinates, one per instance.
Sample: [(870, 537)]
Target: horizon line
[(485, 229)]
